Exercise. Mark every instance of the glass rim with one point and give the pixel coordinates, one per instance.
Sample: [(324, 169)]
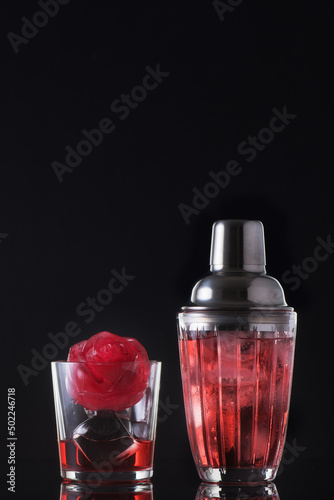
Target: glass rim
[(106, 363)]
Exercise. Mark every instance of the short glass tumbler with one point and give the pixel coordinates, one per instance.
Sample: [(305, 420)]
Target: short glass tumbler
[(105, 445)]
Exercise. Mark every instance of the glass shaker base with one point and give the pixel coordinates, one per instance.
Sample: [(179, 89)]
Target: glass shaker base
[(237, 475)]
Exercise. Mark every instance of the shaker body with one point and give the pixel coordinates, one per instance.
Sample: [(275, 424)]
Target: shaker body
[(236, 369)]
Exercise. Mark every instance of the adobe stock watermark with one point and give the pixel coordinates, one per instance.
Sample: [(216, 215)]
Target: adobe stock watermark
[(290, 454), (249, 149), (87, 309), (166, 409), (222, 7), (122, 108), (30, 28), (3, 236), (298, 273)]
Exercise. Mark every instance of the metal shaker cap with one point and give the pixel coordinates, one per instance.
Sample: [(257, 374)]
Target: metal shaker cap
[(238, 245), (238, 276)]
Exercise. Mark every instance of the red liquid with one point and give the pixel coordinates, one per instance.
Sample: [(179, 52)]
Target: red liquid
[(71, 458), (236, 392), (109, 495)]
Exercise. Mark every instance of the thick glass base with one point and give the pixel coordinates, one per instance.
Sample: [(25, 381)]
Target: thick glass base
[(116, 491), (103, 476), (238, 475)]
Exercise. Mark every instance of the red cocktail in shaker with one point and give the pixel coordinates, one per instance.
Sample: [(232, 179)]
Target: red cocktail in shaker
[(236, 343)]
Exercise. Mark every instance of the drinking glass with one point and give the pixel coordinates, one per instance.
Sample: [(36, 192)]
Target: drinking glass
[(105, 445)]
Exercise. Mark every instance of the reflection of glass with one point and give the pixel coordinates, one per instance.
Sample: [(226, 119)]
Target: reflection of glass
[(234, 492), (105, 445), (82, 491)]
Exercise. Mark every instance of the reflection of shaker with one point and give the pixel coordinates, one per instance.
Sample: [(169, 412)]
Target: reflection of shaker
[(236, 492), (236, 342)]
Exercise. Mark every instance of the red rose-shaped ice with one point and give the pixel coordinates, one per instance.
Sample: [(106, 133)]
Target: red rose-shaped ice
[(112, 374)]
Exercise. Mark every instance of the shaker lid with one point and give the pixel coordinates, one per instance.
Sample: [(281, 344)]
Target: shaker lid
[(238, 245), (238, 276)]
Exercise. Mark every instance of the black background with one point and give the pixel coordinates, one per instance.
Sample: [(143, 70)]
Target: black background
[(119, 208)]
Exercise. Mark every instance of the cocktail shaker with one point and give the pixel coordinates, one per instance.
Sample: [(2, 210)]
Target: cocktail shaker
[(236, 344)]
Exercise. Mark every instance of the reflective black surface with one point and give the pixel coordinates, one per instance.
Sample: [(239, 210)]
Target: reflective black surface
[(305, 478), (118, 217)]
